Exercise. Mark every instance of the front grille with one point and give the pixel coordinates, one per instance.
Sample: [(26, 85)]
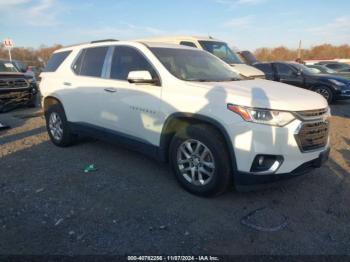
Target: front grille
[(312, 135), (312, 114), (13, 83)]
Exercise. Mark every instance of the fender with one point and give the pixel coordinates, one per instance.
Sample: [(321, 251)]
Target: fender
[(167, 134)]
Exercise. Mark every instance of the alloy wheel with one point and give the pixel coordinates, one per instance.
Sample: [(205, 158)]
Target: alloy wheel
[(55, 126), (195, 162)]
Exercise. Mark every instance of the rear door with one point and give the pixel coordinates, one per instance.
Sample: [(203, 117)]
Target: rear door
[(84, 95), (267, 69), (132, 109)]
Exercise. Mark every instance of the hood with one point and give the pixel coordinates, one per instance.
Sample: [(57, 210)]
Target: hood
[(265, 94), (246, 70)]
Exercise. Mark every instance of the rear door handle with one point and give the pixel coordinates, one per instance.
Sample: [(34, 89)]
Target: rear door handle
[(67, 83), (111, 89)]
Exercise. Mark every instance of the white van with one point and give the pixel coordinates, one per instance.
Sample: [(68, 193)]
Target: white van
[(216, 47)]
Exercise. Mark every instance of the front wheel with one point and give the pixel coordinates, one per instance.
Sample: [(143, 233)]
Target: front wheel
[(325, 92), (200, 160)]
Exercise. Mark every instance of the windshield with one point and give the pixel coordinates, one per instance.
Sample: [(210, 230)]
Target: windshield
[(194, 65), (7, 67), (221, 50)]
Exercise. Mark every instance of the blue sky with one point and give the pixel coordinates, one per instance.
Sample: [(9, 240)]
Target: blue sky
[(246, 24)]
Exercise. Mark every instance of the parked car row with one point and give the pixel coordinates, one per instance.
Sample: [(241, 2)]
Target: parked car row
[(186, 106), (331, 87)]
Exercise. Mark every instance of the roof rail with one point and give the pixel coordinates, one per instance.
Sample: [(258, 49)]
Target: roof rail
[(103, 40)]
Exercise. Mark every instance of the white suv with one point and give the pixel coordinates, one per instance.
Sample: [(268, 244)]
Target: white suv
[(185, 106)]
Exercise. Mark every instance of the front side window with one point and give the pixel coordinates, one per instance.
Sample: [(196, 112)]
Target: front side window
[(126, 59), (284, 70), (221, 50), (92, 61), (194, 65), (56, 60)]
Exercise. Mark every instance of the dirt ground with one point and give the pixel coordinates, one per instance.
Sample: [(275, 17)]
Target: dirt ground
[(132, 204)]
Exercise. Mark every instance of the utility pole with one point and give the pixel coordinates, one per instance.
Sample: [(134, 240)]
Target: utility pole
[(299, 52)]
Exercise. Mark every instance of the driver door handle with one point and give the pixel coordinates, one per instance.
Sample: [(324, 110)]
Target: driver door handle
[(111, 89)]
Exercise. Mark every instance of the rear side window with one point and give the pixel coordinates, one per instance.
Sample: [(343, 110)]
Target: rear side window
[(56, 60), (92, 61), (186, 43), (266, 68)]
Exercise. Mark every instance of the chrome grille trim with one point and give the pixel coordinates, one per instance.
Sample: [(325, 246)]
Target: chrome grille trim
[(10, 83), (311, 136), (312, 114)]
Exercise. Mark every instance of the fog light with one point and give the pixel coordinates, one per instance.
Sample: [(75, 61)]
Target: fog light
[(266, 164), (261, 160)]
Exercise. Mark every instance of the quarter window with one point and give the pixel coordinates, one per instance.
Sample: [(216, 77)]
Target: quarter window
[(56, 60), (126, 59), (92, 61), (186, 43)]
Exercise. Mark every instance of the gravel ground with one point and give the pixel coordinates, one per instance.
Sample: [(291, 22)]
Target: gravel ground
[(132, 204)]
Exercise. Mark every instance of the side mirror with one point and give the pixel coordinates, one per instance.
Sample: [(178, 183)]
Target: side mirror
[(140, 77)]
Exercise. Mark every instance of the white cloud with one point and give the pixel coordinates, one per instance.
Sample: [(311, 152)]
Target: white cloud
[(33, 12), (234, 3), (338, 25), (121, 31), (240, 22), (4, 4)]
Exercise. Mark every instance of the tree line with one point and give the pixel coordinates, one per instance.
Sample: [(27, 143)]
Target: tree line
[(325, 51), (39, 56)]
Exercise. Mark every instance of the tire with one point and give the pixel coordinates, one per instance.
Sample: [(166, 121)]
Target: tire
[(59, 131), (326, 92), (220, 178), (33, 102)]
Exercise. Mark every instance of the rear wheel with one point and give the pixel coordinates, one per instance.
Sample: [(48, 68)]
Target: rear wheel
[(325, 92), (57, 126), (200, 160)]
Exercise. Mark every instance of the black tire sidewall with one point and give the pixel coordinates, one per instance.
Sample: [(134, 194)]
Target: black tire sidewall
[(222, 176), (67, 136), (331, 95)]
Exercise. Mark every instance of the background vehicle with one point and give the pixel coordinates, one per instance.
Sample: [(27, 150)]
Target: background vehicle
[(185, 106), (215, 47), (331, 87), (336, 66), (322, 69), (16, 88)]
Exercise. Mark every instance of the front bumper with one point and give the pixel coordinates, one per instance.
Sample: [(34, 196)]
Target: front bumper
[(10, 98), (344, 94), (247, 181), (250, 140)]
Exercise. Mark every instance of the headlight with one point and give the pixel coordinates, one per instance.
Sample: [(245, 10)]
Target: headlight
[(262, 116), (336, 82)]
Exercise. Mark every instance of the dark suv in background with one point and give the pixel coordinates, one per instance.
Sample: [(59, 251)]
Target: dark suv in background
[(331, 87), (16, 88)]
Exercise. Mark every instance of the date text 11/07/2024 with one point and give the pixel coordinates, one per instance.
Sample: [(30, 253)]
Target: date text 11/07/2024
[(173, 258)]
